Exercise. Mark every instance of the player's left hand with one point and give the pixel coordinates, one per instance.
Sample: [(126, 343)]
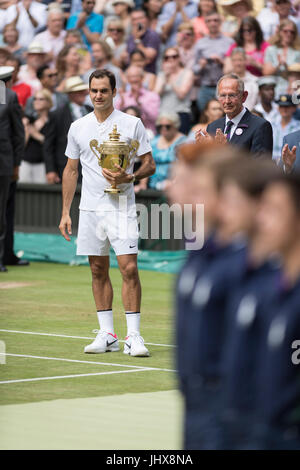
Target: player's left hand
[(116, 177)]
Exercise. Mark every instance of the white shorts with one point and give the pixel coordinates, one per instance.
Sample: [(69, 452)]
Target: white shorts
[(97, 232)]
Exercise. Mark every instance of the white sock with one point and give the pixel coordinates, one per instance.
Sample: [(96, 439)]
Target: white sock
[(133, 322), (105, 318)]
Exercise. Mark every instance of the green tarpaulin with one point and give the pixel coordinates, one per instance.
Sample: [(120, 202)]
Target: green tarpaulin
[(55, 249)]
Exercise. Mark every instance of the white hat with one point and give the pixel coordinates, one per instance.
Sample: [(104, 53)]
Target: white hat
[(75, 84), (229, 3), (6, 72), (35, 48), (130, 3)]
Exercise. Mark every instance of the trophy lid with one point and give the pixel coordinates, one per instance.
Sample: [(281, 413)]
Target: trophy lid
[(114, 136)]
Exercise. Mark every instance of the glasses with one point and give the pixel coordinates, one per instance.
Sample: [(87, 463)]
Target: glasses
[(169, 57), (51, 75), (291, 31), (231, 96), (186, 33), (166, 126), (214, 20), (39, 99), (247, 30), (115, 30)]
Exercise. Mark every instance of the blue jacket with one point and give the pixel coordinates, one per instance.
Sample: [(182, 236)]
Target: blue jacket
[(294, 139)]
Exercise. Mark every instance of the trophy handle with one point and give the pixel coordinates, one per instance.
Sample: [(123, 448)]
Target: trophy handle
[(96, 148)]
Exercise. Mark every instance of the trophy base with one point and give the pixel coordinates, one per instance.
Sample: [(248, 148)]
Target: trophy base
[(112, 190)]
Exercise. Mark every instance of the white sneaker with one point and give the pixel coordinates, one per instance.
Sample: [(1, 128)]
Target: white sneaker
[(134, 346), (102, 343)]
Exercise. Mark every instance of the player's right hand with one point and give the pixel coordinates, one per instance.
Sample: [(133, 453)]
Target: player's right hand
[(65, 227)]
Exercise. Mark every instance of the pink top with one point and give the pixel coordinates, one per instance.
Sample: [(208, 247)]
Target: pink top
[(148, 102), (257, 54), (200, 27)]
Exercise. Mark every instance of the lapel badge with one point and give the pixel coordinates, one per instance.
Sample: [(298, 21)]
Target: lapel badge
[(239, 131)]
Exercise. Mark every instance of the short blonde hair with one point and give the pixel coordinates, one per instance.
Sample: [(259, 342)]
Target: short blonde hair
[(172, 117), (47, 95)]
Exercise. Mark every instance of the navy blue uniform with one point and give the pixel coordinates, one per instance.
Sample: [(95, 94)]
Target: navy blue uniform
[(278, 378), (241, 357), (202, 294)]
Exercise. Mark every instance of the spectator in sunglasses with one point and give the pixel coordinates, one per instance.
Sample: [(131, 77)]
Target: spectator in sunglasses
[(250, 38), (115, 37), (48, 78), (284, 51), (235, 11), (174, 84), (164, 148)]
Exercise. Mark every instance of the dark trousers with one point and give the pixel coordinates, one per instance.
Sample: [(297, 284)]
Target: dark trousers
[(9, 255), (4, 192)]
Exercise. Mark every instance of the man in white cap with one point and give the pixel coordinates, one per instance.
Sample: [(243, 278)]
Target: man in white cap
[(35, 58), (11, 151), (267, 106), (58, 126), (28, 16), (106, 219)]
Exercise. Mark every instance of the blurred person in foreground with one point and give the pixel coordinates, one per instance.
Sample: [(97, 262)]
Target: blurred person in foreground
[(242, 187), (278, 369), (11, 153), (103, 221), (21, 88), (239, 126), (209, 277)]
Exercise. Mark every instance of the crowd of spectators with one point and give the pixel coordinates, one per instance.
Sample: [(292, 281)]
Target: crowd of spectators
[(167, 57)]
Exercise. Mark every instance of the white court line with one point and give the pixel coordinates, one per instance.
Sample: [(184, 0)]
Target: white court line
[(77, 337), (74, 375), (86, 362)]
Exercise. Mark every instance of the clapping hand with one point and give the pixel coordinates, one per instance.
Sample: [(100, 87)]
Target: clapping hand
[(289, 157)]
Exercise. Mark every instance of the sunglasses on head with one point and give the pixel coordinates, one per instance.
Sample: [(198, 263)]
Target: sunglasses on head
[(166, 126), (168, 57)]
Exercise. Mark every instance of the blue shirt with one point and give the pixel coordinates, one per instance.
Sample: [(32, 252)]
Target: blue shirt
[(94, 22), (163, 158), (190, 9)]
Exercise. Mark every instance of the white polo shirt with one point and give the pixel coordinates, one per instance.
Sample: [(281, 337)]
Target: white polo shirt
[(87, 128)]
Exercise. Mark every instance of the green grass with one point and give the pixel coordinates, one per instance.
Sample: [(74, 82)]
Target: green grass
[(59, 301)]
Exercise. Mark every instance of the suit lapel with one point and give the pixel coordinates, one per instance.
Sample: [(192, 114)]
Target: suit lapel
[(242, 128)]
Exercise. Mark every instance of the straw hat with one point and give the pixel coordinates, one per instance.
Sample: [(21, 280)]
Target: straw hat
[(75, 84)]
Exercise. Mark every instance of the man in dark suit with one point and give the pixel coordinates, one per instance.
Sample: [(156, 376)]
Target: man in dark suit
[(290, 157), (239, 126), (57, 128), (12, 141)]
